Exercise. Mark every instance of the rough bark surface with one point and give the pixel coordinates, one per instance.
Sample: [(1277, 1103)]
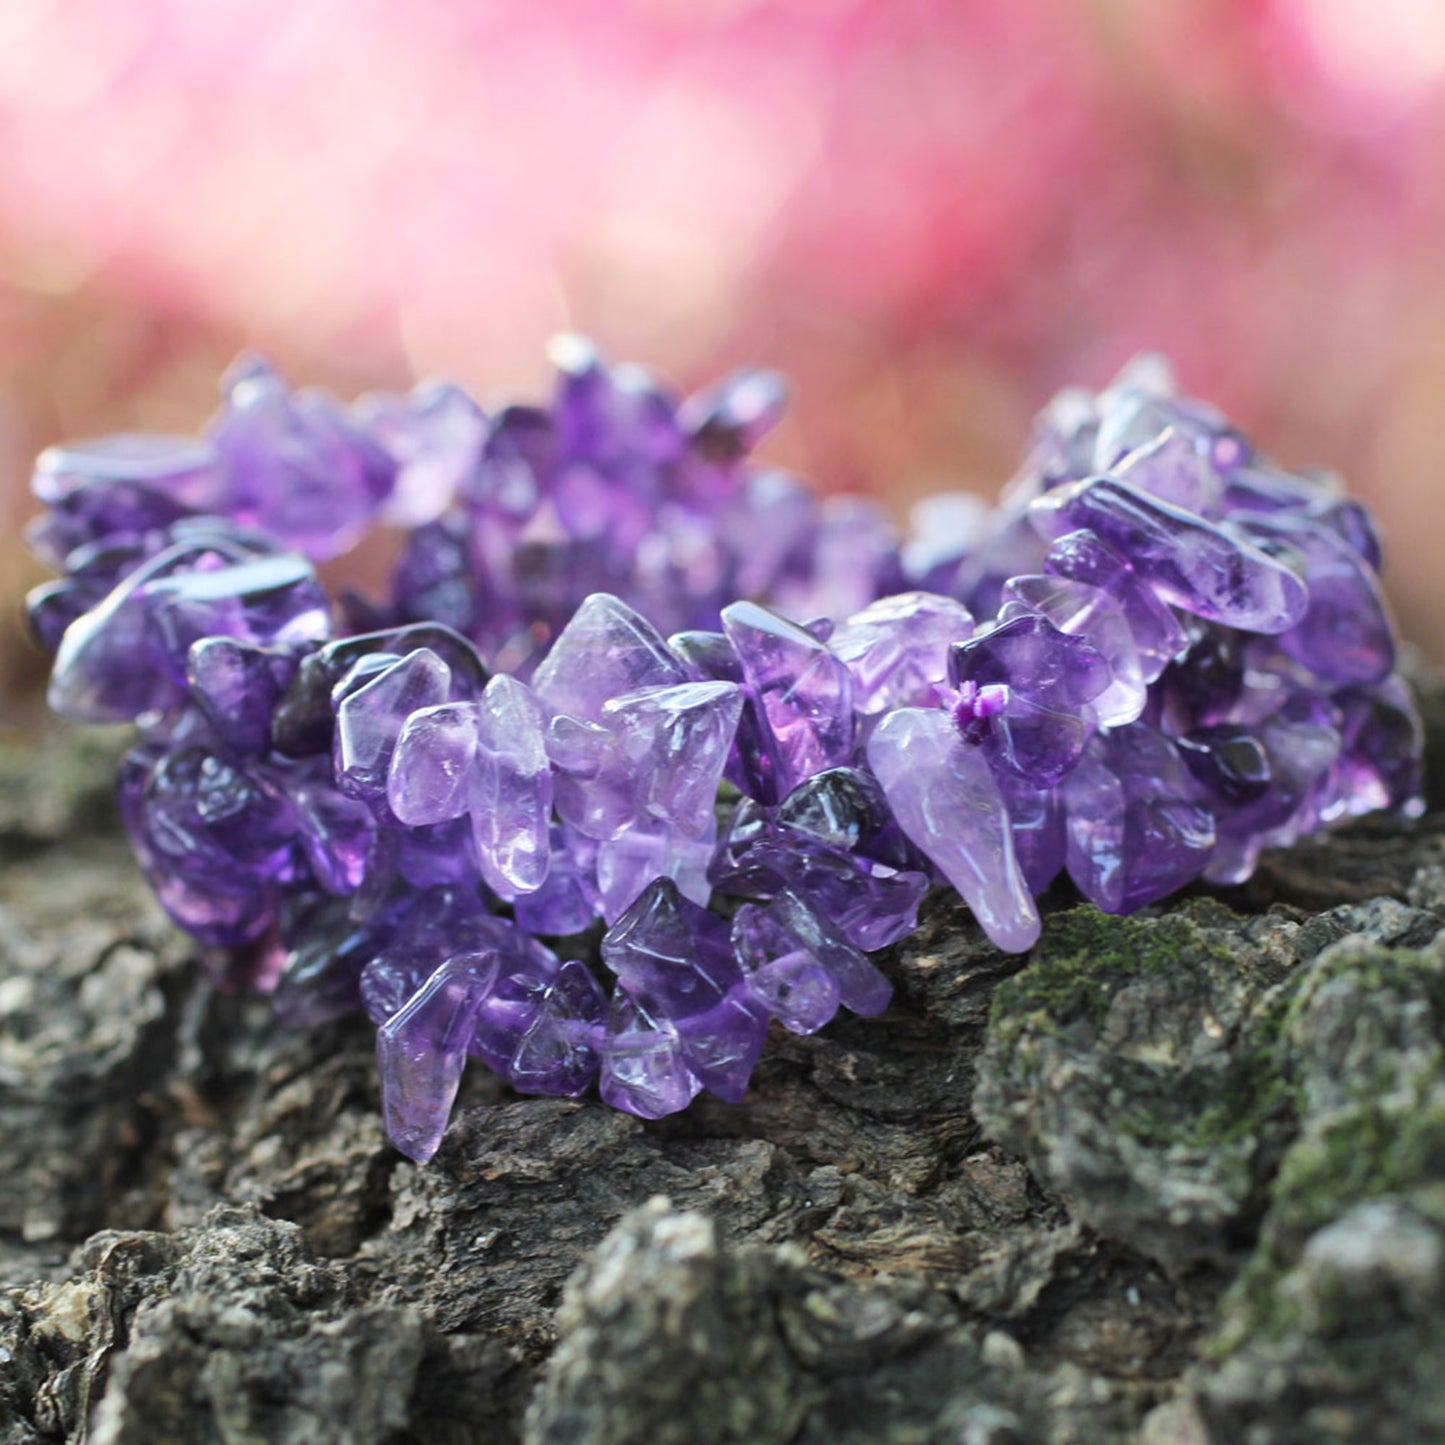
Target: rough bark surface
[(1172, 1178)]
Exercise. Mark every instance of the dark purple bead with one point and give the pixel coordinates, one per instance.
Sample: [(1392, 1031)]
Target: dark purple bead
[(559, 1053), (675, 961)]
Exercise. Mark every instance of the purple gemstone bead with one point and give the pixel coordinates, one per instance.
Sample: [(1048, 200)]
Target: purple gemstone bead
[(943, 793), (110, 666), (105, 516), (263, 600), (629, 862), (782, 971), (298, 467), (643, 1071), (861, 987), (1301, 756), (525, 971), (594, 787), (803, 692), (1168, 838), (1096, 807), (897, 649), (1382, 744), (1189, 562), (336, 835), (559, 1052), (1036, 825), (430, 770), (184, 469), (1085, 557), (509, 791), (369, 720), (675, 961), (1080, 610), (421, 1051), (568, 900), (1173, 467), (675, 743), (728, 420), (1024, 689), (1345, 636), (606, 650), (237, 684), (434, 438)]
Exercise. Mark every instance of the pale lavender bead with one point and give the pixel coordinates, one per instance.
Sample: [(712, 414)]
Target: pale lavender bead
[(640, 854), (421, 1051), (509, 792), (427, 779), (676, 742), (1173, 468), (945, 797), (1189, 562), (567, 902), (558, 1054), (782, 971), (607, 649), (369, 720), (897, 649), (1086, 557), (1079, 610), (594, 788), (804, 693), (643, 1070)]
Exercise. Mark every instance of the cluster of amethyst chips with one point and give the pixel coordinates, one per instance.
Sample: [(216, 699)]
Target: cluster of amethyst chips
[(1158, 656)]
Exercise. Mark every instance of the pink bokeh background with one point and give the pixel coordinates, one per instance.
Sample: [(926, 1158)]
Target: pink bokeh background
[(930, 213)]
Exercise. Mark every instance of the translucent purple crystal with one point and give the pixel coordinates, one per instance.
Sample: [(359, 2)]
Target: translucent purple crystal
[(944, 795), (802, 692), (421, 1051), (559, 1052), (297, 465), (1191, 563), (675, 961), (370, 719)]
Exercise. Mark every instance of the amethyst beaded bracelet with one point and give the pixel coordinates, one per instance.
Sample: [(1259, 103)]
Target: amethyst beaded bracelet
[(560, 714)]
